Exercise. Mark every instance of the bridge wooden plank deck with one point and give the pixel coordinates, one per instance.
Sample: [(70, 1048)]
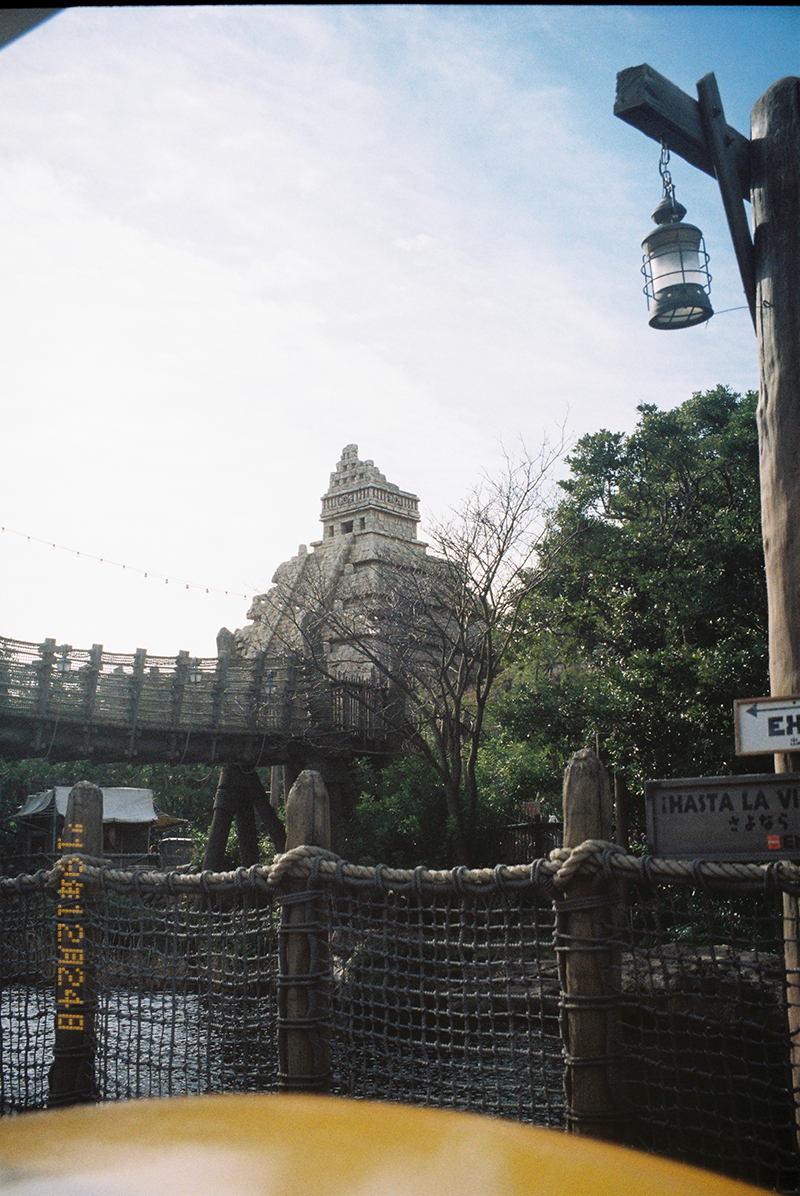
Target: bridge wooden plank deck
[(76, 704)]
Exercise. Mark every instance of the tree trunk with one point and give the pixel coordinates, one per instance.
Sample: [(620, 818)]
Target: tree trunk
[(461, 853)]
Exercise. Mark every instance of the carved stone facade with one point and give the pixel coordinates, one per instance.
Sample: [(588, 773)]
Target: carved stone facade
[(369, 527), (361, 503)]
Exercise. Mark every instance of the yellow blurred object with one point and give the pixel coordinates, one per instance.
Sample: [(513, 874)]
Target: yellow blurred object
[(302, 1145)]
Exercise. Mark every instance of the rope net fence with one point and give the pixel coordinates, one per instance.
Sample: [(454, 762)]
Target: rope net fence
[(448, 999), (704, 1032), (186, 998), (443, 988)]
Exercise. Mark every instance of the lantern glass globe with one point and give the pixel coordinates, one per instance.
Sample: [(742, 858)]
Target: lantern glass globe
[(676, 271)]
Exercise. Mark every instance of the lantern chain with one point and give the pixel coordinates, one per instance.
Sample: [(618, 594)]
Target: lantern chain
[(666, 177)]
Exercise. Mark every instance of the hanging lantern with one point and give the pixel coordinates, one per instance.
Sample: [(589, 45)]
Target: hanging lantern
[(675, 264)]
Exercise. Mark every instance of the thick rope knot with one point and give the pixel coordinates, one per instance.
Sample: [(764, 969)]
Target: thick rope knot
[(83, 867), (296, 864), (589, 858)]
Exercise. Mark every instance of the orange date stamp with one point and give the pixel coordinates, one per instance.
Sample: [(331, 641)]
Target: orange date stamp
[(70, 939)]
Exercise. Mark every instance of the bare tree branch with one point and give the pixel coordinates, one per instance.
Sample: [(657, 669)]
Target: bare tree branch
[(429, 633)]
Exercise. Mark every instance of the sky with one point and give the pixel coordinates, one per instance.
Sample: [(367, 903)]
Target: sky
[(234, 239)]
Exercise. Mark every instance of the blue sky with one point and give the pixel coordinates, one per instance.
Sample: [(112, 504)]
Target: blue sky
[(238, 238)]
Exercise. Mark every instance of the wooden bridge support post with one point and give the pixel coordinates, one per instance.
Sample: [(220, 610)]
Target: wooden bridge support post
[(72, 1079), (304, 983), (239, 794), (263, 804), (587, 916), (221, 820)]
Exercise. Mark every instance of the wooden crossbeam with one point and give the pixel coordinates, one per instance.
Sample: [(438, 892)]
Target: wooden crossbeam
[(662, 111)]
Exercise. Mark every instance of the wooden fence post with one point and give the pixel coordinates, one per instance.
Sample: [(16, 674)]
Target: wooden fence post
[(179, 680), (304, 983), (589, 962), (137, 685), (92, 672), (71, 1079)]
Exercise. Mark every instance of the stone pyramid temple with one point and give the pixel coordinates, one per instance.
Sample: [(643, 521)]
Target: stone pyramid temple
[(369, 527)]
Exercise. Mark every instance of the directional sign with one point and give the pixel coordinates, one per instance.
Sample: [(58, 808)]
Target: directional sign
[(725, 818), (765, 725)]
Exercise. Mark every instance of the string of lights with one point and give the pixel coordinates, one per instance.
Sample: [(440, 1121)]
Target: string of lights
[(148, 573)]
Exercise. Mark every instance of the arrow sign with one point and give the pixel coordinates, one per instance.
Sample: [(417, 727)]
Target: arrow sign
[(766, 725), (755, 709)]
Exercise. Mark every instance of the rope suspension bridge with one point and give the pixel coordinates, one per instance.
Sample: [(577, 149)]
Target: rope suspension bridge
[(66, 703)]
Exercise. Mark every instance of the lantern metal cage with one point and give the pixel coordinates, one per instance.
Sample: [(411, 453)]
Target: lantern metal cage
[(677, 278), (675, 263)]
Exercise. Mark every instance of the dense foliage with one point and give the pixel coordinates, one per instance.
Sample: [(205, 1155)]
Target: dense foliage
[(651, 618), (401, 818)]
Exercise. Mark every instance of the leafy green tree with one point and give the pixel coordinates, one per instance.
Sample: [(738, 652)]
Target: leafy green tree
[(401, 818), (651, 615)]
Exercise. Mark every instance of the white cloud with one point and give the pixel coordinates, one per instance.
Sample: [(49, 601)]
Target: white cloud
[(237, 239)]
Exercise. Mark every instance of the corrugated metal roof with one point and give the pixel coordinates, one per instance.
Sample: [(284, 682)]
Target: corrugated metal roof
[(119, 805)]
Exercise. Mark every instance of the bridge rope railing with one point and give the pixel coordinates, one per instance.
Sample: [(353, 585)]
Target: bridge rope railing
[(139, 691)]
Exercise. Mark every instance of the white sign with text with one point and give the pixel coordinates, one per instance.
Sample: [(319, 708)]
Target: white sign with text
[(766, 725)]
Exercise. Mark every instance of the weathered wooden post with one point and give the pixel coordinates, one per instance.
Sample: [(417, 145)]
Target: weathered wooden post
[(225, 804), (239, 794), (589, 962), (71, 1079), (775, 182), (262, 801), (304, 984), (44, 684)]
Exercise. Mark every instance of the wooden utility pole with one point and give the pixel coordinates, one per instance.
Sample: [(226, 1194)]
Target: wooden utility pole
[(776, 211), (765, 170)]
